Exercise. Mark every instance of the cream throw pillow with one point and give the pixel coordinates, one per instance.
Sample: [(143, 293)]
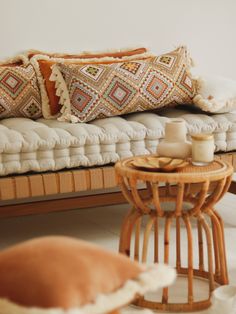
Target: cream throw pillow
[(216, 94)]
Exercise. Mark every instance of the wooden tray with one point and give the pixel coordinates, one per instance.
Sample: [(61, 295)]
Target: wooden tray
[(164, 164)]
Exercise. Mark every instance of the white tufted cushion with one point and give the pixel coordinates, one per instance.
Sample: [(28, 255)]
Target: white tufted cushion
[(43, 145)]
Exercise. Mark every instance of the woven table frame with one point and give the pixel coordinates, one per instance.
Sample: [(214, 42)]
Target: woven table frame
[(212, 184), (28, 193)]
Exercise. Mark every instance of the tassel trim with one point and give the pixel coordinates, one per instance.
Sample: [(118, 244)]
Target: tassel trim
[(144, 55), (211, 104), (153, 278), (19, 58), (61, 55), (63, 94), (189, 60)]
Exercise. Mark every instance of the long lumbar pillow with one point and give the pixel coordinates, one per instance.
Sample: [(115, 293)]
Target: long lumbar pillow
[(59, 275), (42, 62), (90, 91)]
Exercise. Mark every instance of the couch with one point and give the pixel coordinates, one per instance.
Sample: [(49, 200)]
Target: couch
[(49, 164)]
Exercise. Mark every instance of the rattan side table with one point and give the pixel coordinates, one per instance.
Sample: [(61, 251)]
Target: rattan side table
[(199, 187)]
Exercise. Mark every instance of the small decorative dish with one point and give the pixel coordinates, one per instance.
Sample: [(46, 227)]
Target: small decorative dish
[(166, 164)]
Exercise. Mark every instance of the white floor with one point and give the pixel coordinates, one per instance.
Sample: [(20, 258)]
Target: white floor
[(102, 226)]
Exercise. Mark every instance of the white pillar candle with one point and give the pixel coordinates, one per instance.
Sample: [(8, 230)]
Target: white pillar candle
[(202, 149)]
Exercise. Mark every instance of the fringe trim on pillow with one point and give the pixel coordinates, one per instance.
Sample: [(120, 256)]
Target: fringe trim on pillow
[(200, 84), (153, 278), (45, 100), (190, 62), (63, 94), (141, 56), (58, 55), (212, 105), (21, 57)]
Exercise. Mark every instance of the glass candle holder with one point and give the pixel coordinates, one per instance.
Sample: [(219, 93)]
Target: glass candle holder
[(203, 148)]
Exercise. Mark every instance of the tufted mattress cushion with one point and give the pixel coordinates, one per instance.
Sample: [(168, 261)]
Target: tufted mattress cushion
[(44, 145)]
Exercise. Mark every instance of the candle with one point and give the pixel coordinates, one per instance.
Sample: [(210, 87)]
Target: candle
[(202, 149)]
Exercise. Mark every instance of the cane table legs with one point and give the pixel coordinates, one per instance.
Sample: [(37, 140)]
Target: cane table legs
[(207, 233), (186, 231)]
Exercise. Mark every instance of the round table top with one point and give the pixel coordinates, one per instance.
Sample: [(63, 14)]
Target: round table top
[(216, 170)]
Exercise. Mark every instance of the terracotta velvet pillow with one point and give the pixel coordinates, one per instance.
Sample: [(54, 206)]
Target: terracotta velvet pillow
[(92, 91), (88, 54), (19, 92), (43, 62), (60, 274)]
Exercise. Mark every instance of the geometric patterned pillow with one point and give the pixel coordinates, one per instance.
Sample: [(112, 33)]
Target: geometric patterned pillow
[(19, 92), (42, 63), (91, 91)]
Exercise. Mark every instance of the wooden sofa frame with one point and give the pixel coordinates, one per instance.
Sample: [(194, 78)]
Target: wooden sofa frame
[(67, 189)]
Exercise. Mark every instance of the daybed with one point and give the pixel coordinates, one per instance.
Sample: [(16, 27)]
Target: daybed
[(47, 165), (50, 164)]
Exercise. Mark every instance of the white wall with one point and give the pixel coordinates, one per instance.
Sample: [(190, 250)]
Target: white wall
[(207, 27)]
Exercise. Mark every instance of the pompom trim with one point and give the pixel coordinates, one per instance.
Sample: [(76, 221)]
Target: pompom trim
[(19, 58), (212, 104), (61, 55), (151, 279), (63, 94)]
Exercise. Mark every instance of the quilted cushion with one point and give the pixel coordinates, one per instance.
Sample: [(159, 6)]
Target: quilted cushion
[(92, 91), (50, 145)]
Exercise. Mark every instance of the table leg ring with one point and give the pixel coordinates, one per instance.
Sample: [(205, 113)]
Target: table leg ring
[(141, 237)]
